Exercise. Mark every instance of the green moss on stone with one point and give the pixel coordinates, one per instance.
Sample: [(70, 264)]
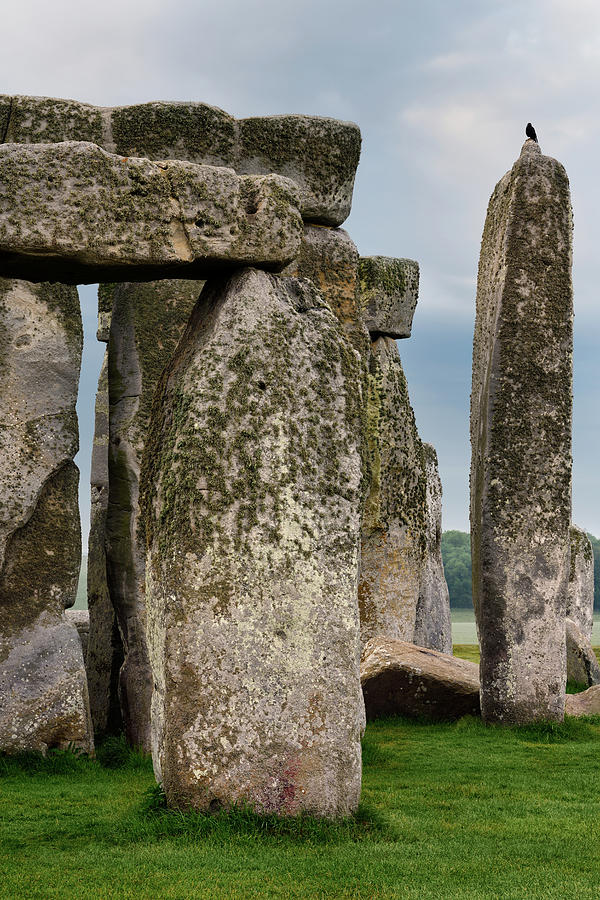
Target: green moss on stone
[(36, 120), (190, 131)]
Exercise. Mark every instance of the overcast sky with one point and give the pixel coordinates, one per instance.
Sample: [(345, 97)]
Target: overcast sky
[(442, 91)]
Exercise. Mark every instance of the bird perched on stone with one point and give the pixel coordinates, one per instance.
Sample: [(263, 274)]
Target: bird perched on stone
[(530, 132)]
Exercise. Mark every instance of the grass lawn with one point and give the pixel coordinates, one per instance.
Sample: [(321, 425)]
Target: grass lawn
[(456, 810)]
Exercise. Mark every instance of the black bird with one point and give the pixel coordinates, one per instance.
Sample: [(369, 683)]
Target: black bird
[(530, 132)]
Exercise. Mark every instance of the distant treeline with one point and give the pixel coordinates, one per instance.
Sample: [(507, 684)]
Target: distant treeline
[(456, 553)]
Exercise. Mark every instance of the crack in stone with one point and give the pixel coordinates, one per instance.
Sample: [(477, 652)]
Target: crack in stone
[(8, 121)]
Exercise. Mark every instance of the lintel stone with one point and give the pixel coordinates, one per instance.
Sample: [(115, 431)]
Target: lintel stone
[(72, 212), (389, 289)]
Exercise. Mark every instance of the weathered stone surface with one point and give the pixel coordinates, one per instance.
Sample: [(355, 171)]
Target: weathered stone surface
[(147, 322), (389, 290), (582, 665), (433, 626), (580, 593), (521, 441), (394, 525), (251, 492), (43, 696), (74, 213), (400, 679), (43, 691), (319, 154), (329, 258), (586, 703), (105, 647), (80, 618), (105, 301)]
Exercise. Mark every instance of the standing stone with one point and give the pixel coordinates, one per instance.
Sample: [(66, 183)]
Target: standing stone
[(147, 322), (580, 594), (251, 493), (394, 524), (521, 441), (105, 648), (43, 691), (433, 628), (582, 665)]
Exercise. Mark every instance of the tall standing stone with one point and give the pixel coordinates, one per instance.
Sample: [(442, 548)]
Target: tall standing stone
[(433, 626), (521, 441), (105, 647), (43, 691), (252, 490), (580, 594), (147, 322), (393, 542)]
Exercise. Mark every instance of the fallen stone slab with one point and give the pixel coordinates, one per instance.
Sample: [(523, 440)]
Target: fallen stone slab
[(388, 294), (580, 593), (251, 496), (400, 679), (521, 413), (319, 154), (582, 664), (71, 212), (586, 703)]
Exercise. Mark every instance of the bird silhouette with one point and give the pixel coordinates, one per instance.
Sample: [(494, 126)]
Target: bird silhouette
[(530, 132)]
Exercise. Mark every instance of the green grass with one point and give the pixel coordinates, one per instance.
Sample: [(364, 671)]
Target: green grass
[(448, 811)]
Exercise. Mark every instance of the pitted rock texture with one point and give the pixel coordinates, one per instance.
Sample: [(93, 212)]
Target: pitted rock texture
[(43, 694), (433, 626), (43, 690), (401, 679), (251, 495), (580, 593), (147, 323), (389, 290), (74, 213), (393, 545), (582, 664), (319, 154), (521, 441), (105, 301), (105, 647), (329, 258)]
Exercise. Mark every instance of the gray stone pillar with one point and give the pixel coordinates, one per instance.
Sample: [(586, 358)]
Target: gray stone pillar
[(251, 495), (105, 648), (521, 441), (433, 626), (43, 691), (580, 594), (147, 322)]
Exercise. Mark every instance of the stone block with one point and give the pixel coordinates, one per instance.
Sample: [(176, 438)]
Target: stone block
[(389, 290), (74, 213), (147, 323), (580, 592), (433, 626), (400, 679), (319, 154), (521, 441), (251, 495), (393, 544), (582, 665)]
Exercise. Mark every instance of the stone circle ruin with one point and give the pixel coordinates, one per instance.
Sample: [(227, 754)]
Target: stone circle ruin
[(262, 503)]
